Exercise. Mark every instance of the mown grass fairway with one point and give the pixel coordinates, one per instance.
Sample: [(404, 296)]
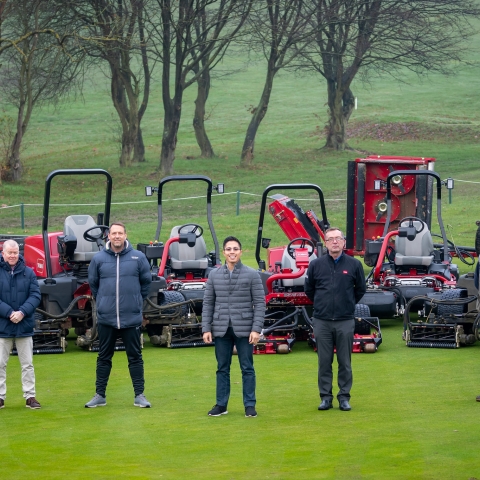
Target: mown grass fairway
[(414, 412)]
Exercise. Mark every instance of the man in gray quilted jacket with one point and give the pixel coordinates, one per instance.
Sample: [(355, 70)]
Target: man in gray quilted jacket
[(233, 314)]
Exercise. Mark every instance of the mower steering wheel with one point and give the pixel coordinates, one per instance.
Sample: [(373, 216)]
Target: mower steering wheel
[(197, 229), (411, 220), (304, 242), (103, 235)]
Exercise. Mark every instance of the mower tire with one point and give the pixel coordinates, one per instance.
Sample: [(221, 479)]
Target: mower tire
[(453, 294), (361, 311), (171, 296)]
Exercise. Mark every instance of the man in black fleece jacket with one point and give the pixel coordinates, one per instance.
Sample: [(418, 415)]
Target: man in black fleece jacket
[(335, 283)]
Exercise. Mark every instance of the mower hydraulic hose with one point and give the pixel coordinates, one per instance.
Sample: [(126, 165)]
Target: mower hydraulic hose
[(167, 306), (66, 312), (279, 322), (476, 326), (433, 301)]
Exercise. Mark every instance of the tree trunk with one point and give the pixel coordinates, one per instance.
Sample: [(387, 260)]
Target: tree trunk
[(258, 115), (203, 88), (336, 126), (139, 147), (14, 166), (169, 139)]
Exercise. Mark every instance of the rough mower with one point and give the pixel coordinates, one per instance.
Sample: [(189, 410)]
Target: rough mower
[(184, 264)]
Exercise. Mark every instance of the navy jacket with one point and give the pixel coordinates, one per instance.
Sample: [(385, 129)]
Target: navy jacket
[(119, 283), (335, 288), (19, 291)]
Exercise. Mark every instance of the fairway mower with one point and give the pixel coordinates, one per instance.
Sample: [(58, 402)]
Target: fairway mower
[(182, 262), (60, 260)]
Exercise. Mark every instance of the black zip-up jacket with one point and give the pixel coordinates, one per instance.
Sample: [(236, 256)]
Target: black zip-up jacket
[(335, 288)]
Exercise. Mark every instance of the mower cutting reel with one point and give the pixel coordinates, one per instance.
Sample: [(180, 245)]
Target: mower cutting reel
[(443, 323), (182, 264)]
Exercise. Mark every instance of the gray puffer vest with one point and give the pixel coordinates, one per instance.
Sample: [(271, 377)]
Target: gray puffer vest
[(238, 298)]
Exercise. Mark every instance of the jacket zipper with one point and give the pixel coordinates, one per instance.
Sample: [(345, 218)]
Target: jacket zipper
[(117, 291)]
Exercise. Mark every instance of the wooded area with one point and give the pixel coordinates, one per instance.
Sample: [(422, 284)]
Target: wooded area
[(49, 47)]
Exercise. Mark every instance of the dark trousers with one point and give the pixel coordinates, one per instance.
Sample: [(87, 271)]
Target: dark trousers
[(223, 352), (330, 335), (107, 337)]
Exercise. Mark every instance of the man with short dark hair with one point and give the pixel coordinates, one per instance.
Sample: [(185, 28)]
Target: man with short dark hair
[(19, 297), (335, 283), (119, 278), (233, 314)]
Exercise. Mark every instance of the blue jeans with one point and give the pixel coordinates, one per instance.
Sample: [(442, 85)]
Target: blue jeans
[(223, 352)]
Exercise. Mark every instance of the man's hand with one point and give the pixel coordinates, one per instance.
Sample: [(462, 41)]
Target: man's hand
[(207, 337), (254, 338), (16, 317)]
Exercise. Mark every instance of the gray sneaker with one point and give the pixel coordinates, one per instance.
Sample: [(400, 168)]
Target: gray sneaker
[(141, 401), (96, 401)]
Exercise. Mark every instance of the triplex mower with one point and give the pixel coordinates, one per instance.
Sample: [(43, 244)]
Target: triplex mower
[(184, 264), (60, 261), (421, 276), (289, 310)]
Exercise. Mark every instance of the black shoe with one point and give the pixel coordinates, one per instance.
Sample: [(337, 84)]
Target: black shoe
[(250, 412), (325, 405), (217, 410), (345, 406), (477, 399)]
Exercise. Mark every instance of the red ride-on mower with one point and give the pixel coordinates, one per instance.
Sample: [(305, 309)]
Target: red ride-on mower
[(287, 318), (60, 261), (183, 261), (406, 262)]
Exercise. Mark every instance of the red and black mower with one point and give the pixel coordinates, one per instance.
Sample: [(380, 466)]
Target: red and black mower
[(289, 310), (421, 275), (184, 264), (60, 261)]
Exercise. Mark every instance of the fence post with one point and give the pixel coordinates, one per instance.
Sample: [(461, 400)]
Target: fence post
[(22, 216), (238, 203)]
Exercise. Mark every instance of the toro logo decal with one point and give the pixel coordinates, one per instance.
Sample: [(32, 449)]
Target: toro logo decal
[(40, 265), (345, 272)]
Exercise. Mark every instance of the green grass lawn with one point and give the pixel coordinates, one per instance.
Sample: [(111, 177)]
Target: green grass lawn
[(413, 415), (414, 412)]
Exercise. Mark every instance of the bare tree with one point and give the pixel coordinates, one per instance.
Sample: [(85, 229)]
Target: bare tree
[(381, 36), (186, 53), (34, 73), (275, 28), (114, 32)]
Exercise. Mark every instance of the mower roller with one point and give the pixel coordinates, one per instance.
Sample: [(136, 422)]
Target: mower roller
[(182, 262)]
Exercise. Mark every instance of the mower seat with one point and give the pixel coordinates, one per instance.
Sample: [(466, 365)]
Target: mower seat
[(289, 262), (416, 252), (76, 225), (184, 257)]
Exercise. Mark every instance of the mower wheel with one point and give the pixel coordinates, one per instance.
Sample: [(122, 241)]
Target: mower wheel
[(171, 296), (283, 348), (452, 294), (362, 310), (370, 348)]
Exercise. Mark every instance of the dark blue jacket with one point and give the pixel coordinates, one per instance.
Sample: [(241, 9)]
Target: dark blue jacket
[(119, 282), (19, 291), (335, 288)]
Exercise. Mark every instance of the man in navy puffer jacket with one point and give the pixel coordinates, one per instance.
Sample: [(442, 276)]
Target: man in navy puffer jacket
[(119, 278), (19, 297)]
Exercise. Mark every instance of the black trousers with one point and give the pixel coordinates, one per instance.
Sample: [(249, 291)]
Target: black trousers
[(331, 335), (107, 337)]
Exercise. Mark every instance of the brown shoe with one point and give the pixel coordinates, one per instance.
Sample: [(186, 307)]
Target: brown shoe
[(2, 402), (32, 403)]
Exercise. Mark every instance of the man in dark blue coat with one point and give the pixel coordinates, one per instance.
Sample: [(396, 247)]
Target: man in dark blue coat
[(335, 283), (119, 278), (19, 297)]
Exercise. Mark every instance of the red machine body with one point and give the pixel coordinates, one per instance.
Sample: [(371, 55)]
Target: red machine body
[(34, 254), (367, 206)]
